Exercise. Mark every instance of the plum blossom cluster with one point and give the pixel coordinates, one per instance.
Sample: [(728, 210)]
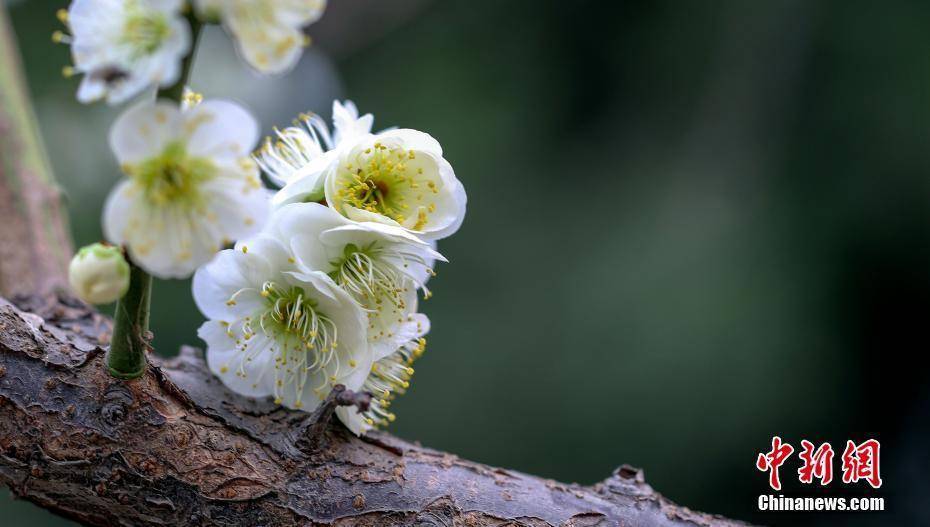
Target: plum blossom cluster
[(123, 47), (307, 286), (190, 185), (328, 292)]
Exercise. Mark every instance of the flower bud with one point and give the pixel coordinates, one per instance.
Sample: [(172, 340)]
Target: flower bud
[(99, 274)]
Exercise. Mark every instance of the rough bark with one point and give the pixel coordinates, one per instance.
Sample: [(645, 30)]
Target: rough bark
[(34, 242), (176, 448)]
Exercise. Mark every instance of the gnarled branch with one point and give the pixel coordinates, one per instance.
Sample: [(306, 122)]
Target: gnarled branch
[(176, 448)]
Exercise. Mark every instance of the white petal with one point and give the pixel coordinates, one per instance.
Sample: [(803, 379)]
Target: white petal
[(167, 241), (412, 140), (300, 190), (307, 183), (215, 284), (353, 420), (366, 232), (166, 246), (117, 212), (266, 47), (299, 13), (218, 128), (266, 258), (347, 125), (318, 282), (165, 64), (357, 214), (225, 361), (144, 130), (453, 206), (386, 334), (354, 377), (300, 226), (296, 218), (423, 324), (235, 206), (128, 87), (84, 15), (91, 89)]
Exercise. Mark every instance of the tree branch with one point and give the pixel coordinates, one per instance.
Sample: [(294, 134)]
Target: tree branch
[(174, 447), (35, 245)]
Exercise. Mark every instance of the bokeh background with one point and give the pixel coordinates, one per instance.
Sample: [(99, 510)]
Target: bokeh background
[(692, 225)]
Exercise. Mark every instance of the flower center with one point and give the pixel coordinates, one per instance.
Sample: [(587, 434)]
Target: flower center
[(173, 177), (304, 339), (364, 273), (291, 314), (381, 182), (144, 32)]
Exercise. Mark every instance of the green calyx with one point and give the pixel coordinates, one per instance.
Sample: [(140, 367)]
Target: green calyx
[(102, 252)]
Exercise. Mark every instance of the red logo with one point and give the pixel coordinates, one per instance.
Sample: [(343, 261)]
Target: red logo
[(860, 462), (817, 464), (773, 460)]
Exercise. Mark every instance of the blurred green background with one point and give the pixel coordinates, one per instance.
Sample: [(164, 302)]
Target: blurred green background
[(692, 225)]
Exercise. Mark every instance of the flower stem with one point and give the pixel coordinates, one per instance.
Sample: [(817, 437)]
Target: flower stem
[(176, 91), (126, 358)]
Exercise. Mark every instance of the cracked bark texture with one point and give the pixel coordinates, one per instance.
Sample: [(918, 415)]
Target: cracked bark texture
[(176, 448)]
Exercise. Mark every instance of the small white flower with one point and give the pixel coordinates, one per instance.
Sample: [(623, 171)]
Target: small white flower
[(298, 158), (124, 46), (397, 177), (191, 186), (268, 33), (380, 266), (99, 274), (277, 328), (389, 378)]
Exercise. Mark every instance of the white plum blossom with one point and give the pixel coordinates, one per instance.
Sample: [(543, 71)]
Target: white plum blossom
[(380, 266), (123, 47), (389, 378), (99, 274), (279, 329), (268, 33), (191, 186), (298, 158), (396, 177), (399, 178)]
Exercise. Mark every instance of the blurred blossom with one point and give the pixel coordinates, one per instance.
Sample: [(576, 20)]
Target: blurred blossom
[(191, 186), (124, 46), (268, 33)]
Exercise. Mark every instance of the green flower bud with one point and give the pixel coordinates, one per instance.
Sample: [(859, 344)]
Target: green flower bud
[(99, 274)]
